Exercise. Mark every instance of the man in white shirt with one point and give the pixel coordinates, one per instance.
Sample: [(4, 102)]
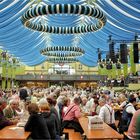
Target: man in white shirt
[(90, 101), (107, 113)]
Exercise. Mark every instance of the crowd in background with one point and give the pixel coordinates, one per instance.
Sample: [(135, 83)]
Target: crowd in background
[(47, 111)]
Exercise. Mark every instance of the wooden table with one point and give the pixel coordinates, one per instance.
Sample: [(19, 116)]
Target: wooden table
[(92, 134), (13, 133)]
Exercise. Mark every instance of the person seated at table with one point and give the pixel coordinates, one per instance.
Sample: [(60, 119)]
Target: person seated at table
[(23, 94), (90, 102), (107, 113), (10, 110), (96, 108), (70, 119), (127, 114), (83, 105), (36, 123), (3, 120), (66, 103), (123, 101), (52, 103), (50, 120), (132, 129), (14, 95)]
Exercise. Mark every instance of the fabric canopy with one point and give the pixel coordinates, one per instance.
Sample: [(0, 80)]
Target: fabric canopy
[(123, 22)]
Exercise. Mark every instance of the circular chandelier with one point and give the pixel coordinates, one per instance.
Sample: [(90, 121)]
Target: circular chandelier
[(62, 51), (62, 60), (63, 54), (42, 10)]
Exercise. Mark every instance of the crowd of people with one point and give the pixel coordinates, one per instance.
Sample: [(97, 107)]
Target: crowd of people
[(48, 111)]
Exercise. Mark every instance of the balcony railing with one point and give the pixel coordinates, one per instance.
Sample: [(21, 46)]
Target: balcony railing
[(42, 77)]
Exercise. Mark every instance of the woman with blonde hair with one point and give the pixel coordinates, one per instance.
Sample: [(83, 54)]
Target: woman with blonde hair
[(50, 121)]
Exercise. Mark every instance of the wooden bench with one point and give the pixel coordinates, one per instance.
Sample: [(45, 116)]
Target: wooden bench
[(125, 135), (68, 130), (72, 135)]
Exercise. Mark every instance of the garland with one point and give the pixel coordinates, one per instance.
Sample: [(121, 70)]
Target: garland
[(62, 60), (62, 51), (41, 10)]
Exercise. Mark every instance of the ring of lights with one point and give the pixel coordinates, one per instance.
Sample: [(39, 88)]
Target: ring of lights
[(63, 54), (62, 60), (41, 10), (62, 51)]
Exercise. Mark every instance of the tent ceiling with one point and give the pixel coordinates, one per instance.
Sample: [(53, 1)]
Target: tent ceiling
[(123, 21)]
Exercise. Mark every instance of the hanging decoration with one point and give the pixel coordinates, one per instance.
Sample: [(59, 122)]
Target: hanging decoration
[(62, 51), (62, 60), (44, 10)]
